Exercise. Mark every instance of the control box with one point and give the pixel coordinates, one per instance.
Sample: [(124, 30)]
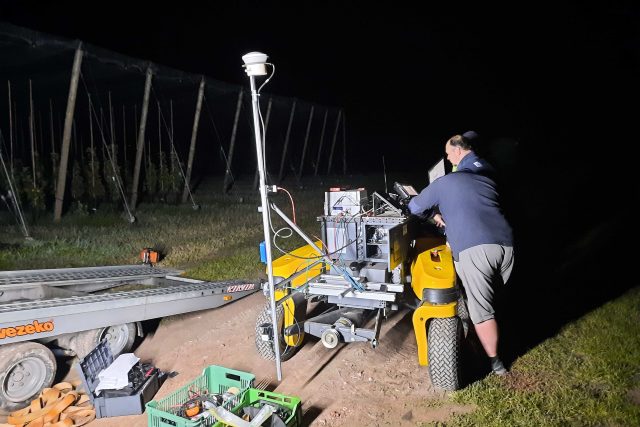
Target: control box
[(344, 202)]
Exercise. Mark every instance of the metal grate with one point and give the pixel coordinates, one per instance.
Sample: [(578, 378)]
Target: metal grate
[(205, 288), (87, 274)]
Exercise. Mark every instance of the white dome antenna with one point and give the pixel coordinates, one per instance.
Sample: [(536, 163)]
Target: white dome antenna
[(255, 63)]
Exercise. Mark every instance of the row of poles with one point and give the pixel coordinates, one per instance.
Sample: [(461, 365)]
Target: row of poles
[(62, 169)]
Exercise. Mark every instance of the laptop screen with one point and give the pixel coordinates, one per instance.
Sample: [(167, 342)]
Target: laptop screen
[(436, 171)]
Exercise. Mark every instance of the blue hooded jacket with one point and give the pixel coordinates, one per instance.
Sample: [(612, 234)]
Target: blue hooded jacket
[(468, 203)]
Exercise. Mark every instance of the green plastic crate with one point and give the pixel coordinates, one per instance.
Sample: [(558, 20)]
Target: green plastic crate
[(214, 379), (253, 397)]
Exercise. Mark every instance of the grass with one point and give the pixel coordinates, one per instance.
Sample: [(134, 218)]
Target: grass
[(217, 242), (587, 375)]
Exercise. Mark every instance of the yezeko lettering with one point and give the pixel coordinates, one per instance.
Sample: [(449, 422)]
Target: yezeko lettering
[(34, 327)]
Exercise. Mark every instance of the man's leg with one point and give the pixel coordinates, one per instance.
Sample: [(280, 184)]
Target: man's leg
[(488, 334), (477, 269)]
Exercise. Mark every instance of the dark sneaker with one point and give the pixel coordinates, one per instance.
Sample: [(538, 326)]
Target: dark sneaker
[(498, 367)]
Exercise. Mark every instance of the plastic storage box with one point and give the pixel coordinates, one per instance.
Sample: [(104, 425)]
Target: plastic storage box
[(90, 366), (255, 397), (214, 379)]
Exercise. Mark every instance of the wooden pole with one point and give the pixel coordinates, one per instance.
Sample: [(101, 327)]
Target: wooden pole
[(40, 137), (306, 140), (192, 147), (232, 144), (160, 166), (324, 126), (286, 140), (159, 132), (124, 140), (32, 135), (171, 151), (66, 136), (93, 170), (344, 143), (53, 142), (266, 126), (101, 128), (51, 130), (112, 133), (140, 145), (333, 142), (75, 138), (10, 128)]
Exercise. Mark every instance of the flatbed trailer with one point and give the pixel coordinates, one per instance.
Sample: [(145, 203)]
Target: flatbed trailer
[(71, 310)]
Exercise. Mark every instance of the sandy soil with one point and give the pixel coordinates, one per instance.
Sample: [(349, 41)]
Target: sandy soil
[(352, 385)]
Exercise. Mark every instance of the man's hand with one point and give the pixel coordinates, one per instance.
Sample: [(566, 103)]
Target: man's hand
[(437, 218)]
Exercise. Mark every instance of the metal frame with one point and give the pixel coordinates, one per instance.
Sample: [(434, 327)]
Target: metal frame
[(68, 311)]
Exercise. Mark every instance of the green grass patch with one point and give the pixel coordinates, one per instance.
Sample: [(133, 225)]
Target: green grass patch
[(588, 375)]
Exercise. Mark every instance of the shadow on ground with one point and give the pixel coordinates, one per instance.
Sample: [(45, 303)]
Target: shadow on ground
[(572, 254)]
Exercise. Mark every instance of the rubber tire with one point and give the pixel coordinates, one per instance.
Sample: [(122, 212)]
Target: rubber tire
[(463, 314), (83, 342), (444, 339), (265, 348), (10, 355), (132, 332)]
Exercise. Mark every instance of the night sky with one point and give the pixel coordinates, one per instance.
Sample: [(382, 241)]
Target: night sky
[(406, 77), (557, 81)]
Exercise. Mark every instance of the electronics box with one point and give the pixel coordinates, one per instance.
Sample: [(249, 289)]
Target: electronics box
[(113, 406), (344, 202)]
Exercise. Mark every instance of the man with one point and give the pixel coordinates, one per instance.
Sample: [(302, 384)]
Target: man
[(460, 153), (459, 150), (479, 235)]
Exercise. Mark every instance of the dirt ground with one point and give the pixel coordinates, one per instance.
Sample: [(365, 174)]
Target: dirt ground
[(352, 384)]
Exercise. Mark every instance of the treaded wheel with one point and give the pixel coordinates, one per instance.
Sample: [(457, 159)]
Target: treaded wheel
[(444, 338), (265, 348), (463, 314), (25, 369)]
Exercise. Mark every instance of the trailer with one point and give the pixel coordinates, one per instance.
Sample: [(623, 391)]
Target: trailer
[(69, 311)]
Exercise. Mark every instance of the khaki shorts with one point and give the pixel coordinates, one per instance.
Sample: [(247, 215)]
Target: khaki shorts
[(483, 270)]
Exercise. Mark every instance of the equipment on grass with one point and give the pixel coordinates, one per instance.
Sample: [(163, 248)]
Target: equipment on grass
[(149, 256)]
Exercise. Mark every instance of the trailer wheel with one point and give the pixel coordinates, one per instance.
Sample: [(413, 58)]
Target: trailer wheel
[(120, 339), (266, 348), (444, 340), (25, 369)]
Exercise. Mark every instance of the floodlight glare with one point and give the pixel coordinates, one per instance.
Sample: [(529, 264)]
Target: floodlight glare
[(254, 63)]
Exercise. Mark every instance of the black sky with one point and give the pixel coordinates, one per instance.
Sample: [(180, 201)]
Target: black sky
[(549, 76)]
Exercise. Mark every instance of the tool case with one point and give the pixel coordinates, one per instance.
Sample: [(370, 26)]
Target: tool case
[(114, 403)]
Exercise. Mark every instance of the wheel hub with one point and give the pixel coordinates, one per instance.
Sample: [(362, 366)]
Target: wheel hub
[(25, 379), (117, 337), (330, 338)]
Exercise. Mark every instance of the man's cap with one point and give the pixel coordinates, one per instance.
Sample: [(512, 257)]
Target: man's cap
[(471, 136)]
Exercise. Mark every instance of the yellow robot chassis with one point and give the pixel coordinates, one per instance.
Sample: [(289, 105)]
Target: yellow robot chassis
[(383, 260)]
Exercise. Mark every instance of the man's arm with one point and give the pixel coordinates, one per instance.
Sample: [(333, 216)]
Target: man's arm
[(424, 202)]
